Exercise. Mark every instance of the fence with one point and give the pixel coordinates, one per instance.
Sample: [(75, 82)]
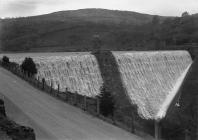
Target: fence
[(89, 104), (84, 102)]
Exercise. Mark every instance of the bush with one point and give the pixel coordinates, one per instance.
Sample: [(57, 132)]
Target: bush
[(29, 66), (106, 103), (5, 60)]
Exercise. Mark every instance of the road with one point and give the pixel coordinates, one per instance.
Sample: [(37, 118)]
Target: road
[(50, 118)]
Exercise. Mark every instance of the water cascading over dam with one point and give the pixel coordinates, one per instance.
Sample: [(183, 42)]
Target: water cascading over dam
[(76, 73), (148, 78)]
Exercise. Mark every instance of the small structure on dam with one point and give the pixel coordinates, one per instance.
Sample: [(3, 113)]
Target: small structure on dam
[(145, 84)]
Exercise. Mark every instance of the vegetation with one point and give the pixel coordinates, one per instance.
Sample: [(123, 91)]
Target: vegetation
[(69, 30), (117, 30), (177, 31), (12, 129), (5, 60), (29, 67), (106, 103), (97, 43)]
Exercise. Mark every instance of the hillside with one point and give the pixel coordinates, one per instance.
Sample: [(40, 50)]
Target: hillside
[(97, 16), (68, 30), (85, 29)]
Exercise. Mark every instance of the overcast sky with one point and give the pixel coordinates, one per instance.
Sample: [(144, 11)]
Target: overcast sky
[(16, 8)]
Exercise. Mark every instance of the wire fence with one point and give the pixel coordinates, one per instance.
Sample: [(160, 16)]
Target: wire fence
[(88, 104)]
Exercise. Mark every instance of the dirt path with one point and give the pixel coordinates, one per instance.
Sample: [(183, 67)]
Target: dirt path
[(50, 118)]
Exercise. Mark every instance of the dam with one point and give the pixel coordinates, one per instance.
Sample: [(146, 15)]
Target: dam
[(149, 78)]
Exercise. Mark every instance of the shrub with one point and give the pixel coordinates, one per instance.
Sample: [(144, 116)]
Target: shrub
[(97, 43), (5, 60), (106, 103), (29, 66)]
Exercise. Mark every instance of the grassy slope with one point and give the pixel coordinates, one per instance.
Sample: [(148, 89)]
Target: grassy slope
[(71, 30), (118, 30)]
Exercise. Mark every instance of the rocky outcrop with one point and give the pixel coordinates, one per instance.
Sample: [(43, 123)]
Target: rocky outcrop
[(12, 129)]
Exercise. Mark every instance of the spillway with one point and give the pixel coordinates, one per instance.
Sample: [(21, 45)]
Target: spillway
[(148, 77), (77, 73)]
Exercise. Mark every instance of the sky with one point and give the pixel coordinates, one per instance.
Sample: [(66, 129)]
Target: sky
[(20, 8)]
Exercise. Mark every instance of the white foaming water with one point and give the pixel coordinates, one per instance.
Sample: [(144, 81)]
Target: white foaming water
[(77, 73), (149, 78), (163, 109)]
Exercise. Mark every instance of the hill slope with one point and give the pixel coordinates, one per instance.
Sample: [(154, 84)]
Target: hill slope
[(98, 16), (86, 29), (68, 30)]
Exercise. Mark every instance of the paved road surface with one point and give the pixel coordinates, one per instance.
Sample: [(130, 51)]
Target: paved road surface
[(51, 118)]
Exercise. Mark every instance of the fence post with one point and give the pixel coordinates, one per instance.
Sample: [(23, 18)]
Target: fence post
[(43, 83), (20, 72), (98, 106), (132, 123), (186, 135), (85, 102), (157, 130), (51, 86), (75, 98), (26, 76), (33, 80), (2, 108), (58, 89), (38, 82), (66, 96), (23, 74)]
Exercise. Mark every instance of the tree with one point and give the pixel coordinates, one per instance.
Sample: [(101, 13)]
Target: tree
[(155, 20), (29, 66), (5, 60), (106, 102), (184, 14), (97, 43)]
